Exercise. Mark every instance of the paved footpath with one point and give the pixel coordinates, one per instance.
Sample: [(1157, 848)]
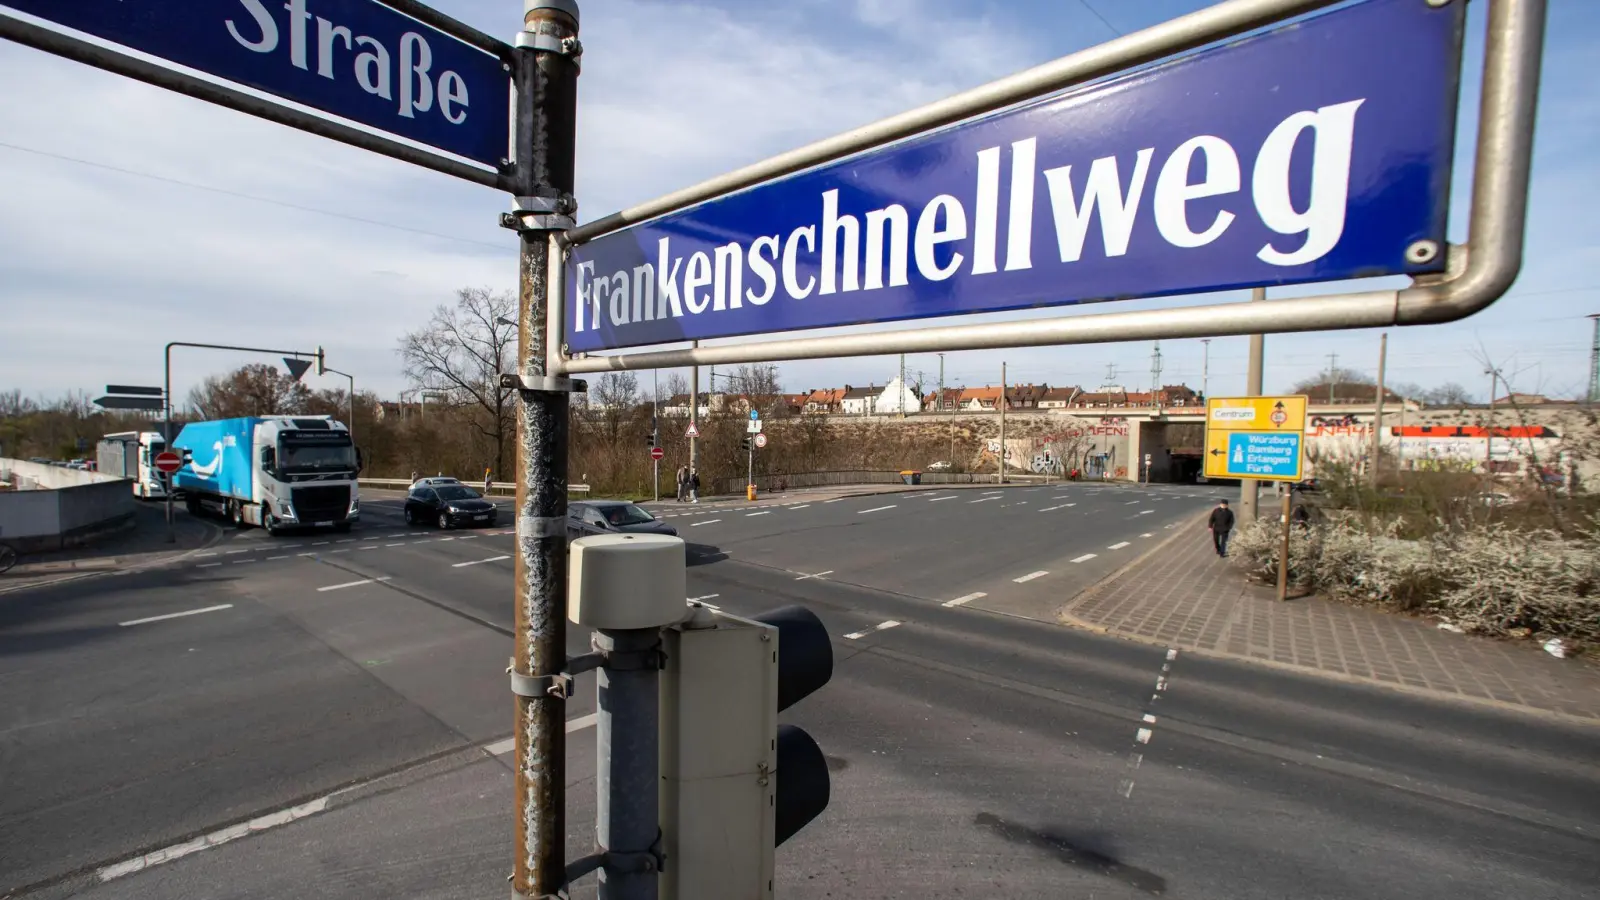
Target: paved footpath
[(1182, 595)]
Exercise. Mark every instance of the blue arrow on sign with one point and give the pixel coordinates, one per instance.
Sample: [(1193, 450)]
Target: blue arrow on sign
[(1314, 152)]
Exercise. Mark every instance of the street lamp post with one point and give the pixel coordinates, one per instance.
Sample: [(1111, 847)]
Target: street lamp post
[(350, 427), (291, 360)]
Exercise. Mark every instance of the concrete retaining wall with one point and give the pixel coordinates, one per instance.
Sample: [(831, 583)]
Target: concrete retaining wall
[(56, 507)]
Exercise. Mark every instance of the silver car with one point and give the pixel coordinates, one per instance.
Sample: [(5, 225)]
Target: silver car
[(612, 517)]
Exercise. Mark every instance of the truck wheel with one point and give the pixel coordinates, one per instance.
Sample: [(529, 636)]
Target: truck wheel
[(270, 525), (236, 513)]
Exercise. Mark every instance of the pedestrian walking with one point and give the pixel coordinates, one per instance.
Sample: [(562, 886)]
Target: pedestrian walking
[(1221, 523), (682, 476), (414, 476), (694, 486)]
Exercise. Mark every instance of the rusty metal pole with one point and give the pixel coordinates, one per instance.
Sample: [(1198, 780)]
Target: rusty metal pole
[(545, 70), (1283, 555)]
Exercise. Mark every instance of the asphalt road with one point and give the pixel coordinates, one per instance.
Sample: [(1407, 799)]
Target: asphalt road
[(973, 752)]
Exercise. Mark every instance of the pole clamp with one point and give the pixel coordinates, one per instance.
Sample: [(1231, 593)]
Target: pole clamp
[(558, 685), (652, 859), (551, 384), (546, 42)]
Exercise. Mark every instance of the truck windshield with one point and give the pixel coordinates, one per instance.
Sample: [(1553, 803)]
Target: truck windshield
[(316, 456)]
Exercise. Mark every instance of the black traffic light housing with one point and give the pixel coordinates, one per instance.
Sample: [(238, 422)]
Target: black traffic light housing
[(805, 664)]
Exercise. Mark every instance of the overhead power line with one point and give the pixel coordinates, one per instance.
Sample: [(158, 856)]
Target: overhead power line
[(243, 196)]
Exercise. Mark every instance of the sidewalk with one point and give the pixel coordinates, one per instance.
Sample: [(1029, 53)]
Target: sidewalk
[(1182, 595), (144, 544)]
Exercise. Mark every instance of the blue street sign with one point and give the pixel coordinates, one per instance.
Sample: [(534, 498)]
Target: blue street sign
[(1269, 454), (356, 59), (755, 414), (1314, 152)]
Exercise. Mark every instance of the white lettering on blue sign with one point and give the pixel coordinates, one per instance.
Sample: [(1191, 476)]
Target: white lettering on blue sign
[(1094, 209), (373, 67), (1264, 454)]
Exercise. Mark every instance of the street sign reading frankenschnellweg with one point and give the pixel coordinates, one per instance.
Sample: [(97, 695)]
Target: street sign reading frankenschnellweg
[(1317, 151), (356, 59)]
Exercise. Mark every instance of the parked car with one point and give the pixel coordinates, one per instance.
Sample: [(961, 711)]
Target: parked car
[(433, 480), (448, 506), (612, 517), (940, 466)]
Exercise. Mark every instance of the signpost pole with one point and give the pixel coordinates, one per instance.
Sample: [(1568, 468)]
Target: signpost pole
[(166, 438), (546, 78), (1249, 489), (1002, 404), (1377, 417), (1283, 552)]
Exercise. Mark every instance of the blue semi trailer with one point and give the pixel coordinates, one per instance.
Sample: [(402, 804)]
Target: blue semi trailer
[(275, 472)]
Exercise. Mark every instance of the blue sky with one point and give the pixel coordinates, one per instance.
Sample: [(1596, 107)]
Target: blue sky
[(222, 228)]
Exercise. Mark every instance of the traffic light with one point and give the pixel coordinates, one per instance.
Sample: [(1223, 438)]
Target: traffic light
[(322, 363), (649, 440), (745, 445), (735, 783)]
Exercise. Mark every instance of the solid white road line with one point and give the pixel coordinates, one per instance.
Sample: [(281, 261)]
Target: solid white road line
[(1031, 576), (215, 838), (1118, 546), (1130, 503), (814, 575), (801, 506), (177, 615), (704, 599), (937, 499), (880, 508), (335, 587), (319, 543), (207, 565), (983, 499), (765, 512), (1051, 508), (994, 492), (1147, 534), (963, 601), (478, 562), (706, 522), (856, 636), (836, 500), (1085, 558), (401, 544), (271, 558)]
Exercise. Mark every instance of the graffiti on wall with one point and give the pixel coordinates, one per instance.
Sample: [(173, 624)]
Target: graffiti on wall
[(1348, 438)]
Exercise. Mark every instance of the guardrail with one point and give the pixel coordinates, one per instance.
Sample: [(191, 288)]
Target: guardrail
[(497, 487)]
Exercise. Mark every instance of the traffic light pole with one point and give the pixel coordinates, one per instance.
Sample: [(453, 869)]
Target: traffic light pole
[(545, 72)]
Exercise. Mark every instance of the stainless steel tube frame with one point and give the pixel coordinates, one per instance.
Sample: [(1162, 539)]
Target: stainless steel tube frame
[(1478, 274)]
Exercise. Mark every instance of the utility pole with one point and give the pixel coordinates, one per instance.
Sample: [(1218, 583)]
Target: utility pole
[(1333, 375), (1155, 377), (940, 401), (1594, 362), (1488, 431), (1002, 404), (902, 397), (1249, 488), (655, 427), (1377, 418), (1205, 367), (545, 74)]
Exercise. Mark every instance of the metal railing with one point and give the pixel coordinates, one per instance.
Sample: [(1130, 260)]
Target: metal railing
[(498, 487)]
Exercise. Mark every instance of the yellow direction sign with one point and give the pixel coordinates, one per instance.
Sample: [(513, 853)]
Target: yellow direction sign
[(1256, 437)]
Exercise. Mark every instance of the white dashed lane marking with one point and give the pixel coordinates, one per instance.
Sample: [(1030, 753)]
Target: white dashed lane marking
[(858, 635), (963, 601), (1085, 558), (1118, 546), (1030, 576), (176, 615)]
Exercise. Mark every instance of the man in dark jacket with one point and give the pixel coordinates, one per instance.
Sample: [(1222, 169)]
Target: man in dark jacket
[(1221, 523)]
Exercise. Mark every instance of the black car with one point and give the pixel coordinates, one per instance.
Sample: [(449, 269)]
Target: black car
[(449, 506), (612, 517)]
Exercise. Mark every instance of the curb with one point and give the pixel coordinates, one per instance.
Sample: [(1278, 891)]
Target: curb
[(212, 538)]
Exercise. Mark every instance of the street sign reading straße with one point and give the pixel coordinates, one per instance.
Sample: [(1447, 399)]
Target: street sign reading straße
[(1317, 151), (1255, 437), (356, 59)]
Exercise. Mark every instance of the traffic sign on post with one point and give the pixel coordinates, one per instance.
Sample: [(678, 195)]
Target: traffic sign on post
[(1317, 151), (1255, 437), (692, 431), (657, 453), (753, 426), (761, 440), (167, 462)]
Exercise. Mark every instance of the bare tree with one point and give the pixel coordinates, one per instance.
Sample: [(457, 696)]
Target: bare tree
[(462, 351), (1447, 394), (759, 385), (675, 385), (257, 389), (612, 401)]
